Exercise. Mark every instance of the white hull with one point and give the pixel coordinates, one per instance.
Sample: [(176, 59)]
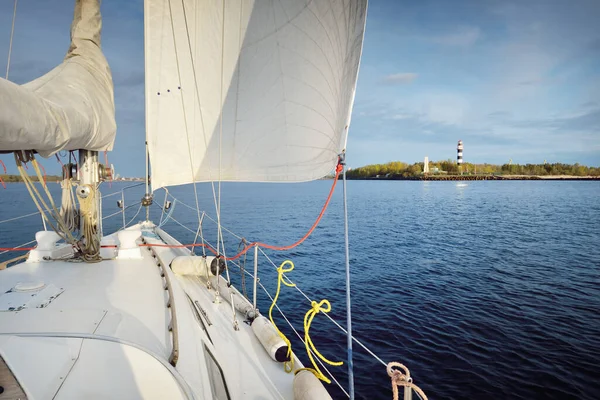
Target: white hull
[(106, 335)]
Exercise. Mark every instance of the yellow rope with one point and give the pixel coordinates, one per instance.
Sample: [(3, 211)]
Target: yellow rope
[(325, 307), (61, 229), (288, 366)]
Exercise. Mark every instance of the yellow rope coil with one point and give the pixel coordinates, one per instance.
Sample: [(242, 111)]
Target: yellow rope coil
[(325, 307), (322, 306), (288, 366)]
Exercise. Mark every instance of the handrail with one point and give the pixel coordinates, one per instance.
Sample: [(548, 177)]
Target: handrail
[(170, 305)]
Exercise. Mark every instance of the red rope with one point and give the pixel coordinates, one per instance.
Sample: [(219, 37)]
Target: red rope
[(43, 169), (1, 181), (338, 169), (64, 168)]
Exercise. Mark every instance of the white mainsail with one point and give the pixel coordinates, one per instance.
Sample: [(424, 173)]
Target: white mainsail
[(244, 90), (69, 108)]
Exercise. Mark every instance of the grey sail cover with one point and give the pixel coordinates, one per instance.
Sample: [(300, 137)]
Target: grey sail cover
[(69, 108), (249, 90)]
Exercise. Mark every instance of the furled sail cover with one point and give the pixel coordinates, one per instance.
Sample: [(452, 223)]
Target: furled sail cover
[(249, 90), (69, 108)]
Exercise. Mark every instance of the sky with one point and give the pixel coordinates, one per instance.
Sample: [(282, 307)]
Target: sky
[(515, 80)]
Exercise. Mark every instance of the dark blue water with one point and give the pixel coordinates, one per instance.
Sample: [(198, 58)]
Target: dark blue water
[(490, 290)]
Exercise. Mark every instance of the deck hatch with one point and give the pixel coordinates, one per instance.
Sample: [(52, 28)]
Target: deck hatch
[(25, 295)]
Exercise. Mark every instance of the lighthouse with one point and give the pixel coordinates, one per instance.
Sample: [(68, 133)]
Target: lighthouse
[(459, 155)]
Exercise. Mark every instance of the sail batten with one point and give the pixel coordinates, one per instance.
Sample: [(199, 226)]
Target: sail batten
[(249, 90)]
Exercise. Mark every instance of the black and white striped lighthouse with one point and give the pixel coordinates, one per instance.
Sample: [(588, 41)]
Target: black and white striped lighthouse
[(459, 153)]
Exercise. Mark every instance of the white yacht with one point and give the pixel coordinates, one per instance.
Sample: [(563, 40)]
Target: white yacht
[(236, 91)]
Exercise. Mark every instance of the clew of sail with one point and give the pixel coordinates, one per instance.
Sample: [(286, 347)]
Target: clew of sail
[(249, 90), (69, 108)]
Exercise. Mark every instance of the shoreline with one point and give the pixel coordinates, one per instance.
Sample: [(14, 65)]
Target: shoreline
[(482, 178)]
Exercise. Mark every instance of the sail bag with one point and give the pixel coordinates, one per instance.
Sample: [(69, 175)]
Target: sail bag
[(69, 108)]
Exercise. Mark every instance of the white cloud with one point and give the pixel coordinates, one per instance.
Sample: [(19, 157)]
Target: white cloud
[(465, 36), (402, 116), (400, 78)]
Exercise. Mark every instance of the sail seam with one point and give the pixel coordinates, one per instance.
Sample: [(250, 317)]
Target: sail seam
[(197, 91), (187, 134)]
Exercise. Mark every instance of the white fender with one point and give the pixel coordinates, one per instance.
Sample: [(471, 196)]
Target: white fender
[(270, 339), (190, 265), (308, 387)]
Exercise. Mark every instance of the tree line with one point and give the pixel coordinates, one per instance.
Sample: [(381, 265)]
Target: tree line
[(401, 169), (17, 178)]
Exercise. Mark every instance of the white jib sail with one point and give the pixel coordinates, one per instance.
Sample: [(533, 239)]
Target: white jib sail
[(69, 108), (249, 90)]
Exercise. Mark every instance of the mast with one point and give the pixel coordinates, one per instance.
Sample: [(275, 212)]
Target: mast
[(88, 194), (147, 199)]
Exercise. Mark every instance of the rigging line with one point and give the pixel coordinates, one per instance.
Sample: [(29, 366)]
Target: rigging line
[(197, 91), (19, 247), (301, 240), (5, 249), (122, 190), (168, 215), (225, 229), (310, 231), (201, 119), (111, 215), (12, 33), (22, 216), (348, 303), (207, 216), (219, 231), (131, 220), (206, 245), (201, 231), (35, 196), (187, 133)]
